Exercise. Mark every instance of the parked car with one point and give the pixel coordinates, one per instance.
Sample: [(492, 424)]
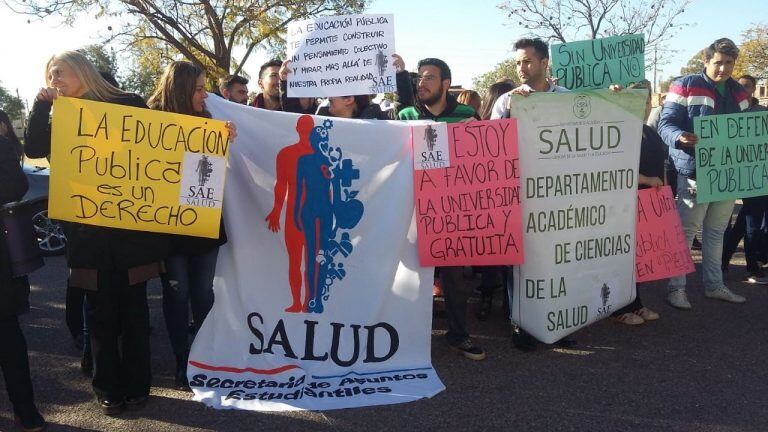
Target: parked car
[(50, 236)]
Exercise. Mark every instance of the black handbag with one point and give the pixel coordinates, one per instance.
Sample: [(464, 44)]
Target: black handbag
[(18, 238)]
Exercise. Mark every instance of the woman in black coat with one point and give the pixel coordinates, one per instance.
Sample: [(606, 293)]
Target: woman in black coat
[(112, 265), (14, 294)]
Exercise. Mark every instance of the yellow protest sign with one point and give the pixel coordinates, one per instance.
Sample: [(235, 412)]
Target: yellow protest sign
[(124, 167)]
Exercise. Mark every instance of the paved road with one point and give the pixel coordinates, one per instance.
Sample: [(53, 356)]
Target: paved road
[(703, 370)]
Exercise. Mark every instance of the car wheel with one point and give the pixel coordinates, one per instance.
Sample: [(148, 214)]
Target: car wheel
[(50, 236)]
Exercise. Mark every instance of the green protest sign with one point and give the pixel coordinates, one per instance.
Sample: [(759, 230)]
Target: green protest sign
[(731, 156), (598, 63)]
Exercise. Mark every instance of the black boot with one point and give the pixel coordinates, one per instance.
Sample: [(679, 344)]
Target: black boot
[(181, 372), (29, 419), (522, 340)]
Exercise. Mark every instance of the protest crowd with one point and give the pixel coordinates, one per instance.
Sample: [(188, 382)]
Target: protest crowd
[(107, 309)]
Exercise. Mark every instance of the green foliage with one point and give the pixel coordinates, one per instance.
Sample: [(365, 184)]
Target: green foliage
[(12, 105), (753, 55), (504, 70)]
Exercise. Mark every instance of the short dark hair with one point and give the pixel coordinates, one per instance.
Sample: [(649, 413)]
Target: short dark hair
[(269, 64), (445, 71), (230, 80), (722, 46), (537, 44), (749, 78)]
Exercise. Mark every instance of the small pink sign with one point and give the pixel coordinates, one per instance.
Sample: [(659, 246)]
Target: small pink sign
[(468, 204), (661, 250)]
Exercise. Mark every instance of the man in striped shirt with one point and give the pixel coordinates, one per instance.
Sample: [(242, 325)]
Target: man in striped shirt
[(709, 92)]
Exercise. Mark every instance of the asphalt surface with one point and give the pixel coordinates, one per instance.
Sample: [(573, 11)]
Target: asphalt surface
[(702, 370)]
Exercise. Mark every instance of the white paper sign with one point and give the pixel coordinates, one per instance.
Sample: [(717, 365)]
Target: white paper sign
[(579, 155), (341, 55)]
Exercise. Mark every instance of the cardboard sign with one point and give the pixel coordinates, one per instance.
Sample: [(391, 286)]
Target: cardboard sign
[(661, 251), (342, 55), (731, 156), (579, 155), (124, 167), (598, 63), (468, 202)]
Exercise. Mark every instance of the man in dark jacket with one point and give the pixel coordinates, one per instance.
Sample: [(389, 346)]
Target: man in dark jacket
[(710, 92)]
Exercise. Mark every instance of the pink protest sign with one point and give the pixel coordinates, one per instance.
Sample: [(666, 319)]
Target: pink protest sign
[(661, 251), (467, 187)]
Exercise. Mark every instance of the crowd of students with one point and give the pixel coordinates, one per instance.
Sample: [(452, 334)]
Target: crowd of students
[(112, 266)]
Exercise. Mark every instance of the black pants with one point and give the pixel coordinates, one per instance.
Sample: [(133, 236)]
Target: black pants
[(118, 316), (15, 364), (455, 295), (747, 226)]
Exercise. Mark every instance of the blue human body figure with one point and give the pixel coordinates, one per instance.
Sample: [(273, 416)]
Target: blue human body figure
[(314, 212), (320, 212)]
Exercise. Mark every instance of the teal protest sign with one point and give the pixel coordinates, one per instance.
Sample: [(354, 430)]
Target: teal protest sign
[(731, 156), (598, 63)]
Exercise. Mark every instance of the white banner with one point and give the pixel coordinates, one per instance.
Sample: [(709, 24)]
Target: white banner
[(579, 155), (341, 55), (320, 300)]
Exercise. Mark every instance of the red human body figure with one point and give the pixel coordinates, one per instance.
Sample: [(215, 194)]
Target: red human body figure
[(287, 160)]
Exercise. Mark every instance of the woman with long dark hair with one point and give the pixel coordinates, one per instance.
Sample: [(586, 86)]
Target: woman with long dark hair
[(112, 265), (192, 262), (14, 292)]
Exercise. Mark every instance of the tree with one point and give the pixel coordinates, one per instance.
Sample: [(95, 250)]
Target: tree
[(205, 32), (694, 65), (753, 55), (568, 20), (104, 60), (504, 70), (12, 105)]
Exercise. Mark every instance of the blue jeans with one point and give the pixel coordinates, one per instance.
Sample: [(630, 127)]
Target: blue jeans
[(188, 278), (712, 217)]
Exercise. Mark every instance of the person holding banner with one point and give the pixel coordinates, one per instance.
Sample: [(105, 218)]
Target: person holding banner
[(434, 103), (192, 261), (112, 265), (709, 92), (14, 293), (653, 153)]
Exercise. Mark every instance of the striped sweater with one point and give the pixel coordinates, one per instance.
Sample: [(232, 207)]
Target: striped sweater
[(692, 96)]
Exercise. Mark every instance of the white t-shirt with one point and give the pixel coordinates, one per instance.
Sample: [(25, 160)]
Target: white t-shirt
[(501, 107)]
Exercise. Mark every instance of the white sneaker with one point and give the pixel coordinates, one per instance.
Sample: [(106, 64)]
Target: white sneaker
[(678, 299), (723, 293)]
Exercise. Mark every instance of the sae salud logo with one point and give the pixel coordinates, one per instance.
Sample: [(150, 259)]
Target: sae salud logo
[(430, 146), (202, 180)]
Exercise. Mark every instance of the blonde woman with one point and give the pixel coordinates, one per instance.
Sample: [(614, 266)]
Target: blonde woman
[(112, 265)]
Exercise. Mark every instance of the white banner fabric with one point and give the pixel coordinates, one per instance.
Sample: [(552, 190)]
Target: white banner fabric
[(320, 300), (579, 156)]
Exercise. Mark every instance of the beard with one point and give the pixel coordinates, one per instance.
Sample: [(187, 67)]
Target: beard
[(430, 99)]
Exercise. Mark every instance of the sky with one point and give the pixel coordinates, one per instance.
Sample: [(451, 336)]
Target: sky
[(471, 36)]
